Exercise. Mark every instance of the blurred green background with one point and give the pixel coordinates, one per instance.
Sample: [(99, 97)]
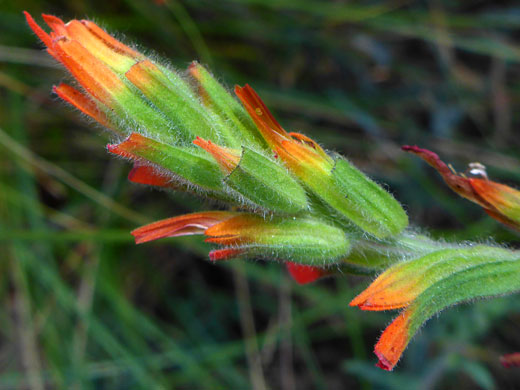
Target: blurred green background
[(83, 307)]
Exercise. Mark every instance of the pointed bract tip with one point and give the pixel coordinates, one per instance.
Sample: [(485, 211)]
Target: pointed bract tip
[(417, 150), (44, 37), (225, 254), (383, 363), (304, 274)]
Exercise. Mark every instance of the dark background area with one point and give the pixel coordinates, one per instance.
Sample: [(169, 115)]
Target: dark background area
[(83, 307)]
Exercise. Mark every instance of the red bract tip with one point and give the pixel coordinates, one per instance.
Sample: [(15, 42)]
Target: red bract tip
[(304, 274), (259, 111), (146, 174), (383, 363), (55, 23), (227, 159), (45, 38), (225, 254), (183, 225), (299, 153), (393, 341), (82, 102), (510, 360)]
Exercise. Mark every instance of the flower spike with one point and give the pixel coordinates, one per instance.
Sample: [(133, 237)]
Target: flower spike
[(291, 201)]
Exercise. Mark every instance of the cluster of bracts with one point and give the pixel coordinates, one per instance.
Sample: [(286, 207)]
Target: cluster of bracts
[(288, 199)]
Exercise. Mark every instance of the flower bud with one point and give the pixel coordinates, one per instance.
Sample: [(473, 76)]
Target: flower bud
[(300, 240), (261, 181), (185, 164)]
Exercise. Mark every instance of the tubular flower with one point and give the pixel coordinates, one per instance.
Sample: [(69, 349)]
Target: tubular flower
[(427, 285), (498, 200), (305, 240)]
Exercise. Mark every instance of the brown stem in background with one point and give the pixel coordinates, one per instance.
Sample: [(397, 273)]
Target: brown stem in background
[(248, 327)]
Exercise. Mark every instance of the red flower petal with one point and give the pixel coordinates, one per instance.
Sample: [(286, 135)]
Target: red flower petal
[(82, 102), (304, 274), (393, 342), (183, 225), (146, 174)]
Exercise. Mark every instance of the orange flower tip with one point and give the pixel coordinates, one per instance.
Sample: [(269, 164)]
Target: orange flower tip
[(305, 140), (225, 157), (383, 363), (116, 149), (225, 254), (55, 23), (364, 302), (145, 233), (146, 174), (311, 143), (82, 102), (187, 230), (201, 142), (304, 274), (182, 225), (126, 149), (368, 306), (359, 300), (110, 41), (228, 239), (193, 69), (238, 89), (377, 297), (269, 127), (393, 341), (143, 75), (44, 37), (510, 360), (503, 219)]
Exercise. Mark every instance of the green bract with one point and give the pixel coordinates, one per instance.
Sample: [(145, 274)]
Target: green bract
[(266, 183)]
